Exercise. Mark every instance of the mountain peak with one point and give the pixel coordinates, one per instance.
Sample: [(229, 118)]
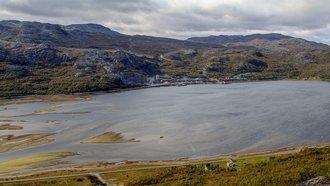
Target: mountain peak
[(91, 27)]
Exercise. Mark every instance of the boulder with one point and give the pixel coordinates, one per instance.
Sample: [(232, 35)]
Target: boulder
[(318, 181), (231, 166)]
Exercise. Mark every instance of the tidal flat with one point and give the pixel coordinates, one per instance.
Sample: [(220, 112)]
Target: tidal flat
[(177, 122)]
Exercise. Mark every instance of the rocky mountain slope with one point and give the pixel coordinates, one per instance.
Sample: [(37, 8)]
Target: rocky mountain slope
[(88, 36), (42, 58)]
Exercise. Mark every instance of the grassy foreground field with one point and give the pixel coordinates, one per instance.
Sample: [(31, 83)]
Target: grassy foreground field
[(287, 169), (280, 168)]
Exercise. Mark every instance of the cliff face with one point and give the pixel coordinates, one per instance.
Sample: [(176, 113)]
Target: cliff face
[(42, 58)]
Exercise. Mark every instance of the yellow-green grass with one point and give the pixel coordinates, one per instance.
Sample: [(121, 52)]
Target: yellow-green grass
[(32, 161), (109, 137), (288, 169)]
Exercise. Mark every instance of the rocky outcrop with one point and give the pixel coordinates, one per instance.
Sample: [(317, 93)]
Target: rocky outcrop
[(32, 54), (318, 181), (144, 65), (251, 65), (128, 68)]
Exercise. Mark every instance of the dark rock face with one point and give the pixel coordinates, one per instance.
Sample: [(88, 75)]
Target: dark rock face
[(251, 65)]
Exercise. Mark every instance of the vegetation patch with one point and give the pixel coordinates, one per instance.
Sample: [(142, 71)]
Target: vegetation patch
[(289, 169), (109, 137), (51, 80), (10, 127), (11, 142), (33, 161)]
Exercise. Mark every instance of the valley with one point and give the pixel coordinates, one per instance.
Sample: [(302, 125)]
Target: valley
[(40, 58), (82, 104)]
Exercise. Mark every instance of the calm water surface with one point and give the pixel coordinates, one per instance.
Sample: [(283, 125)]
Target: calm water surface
[(195, 120)]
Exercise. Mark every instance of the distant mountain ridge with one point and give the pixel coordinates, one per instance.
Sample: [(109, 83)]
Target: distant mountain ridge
[(223, 39), (90, 27), (89, 36), (43, 58)]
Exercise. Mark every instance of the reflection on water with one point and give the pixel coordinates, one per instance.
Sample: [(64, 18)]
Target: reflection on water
[(173, 122)]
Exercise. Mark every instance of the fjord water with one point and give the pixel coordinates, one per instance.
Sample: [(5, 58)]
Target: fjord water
[(196, 120)]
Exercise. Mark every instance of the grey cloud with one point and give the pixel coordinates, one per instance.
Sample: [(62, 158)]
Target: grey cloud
[(179, 18)]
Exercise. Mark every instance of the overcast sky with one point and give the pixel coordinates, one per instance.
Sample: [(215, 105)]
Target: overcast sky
[(309, 19)]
